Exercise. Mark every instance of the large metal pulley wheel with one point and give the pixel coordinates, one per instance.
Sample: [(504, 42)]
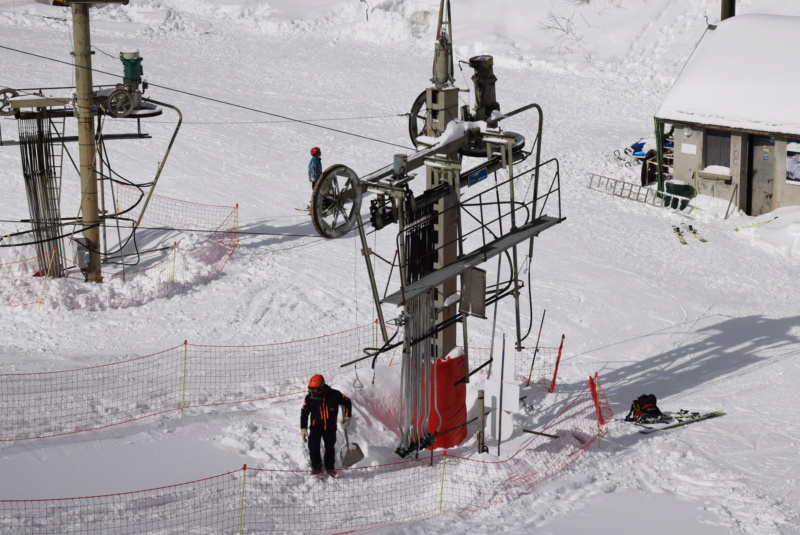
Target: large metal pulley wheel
[(5, 101), (417, 118), (336, 201), (119, 103)]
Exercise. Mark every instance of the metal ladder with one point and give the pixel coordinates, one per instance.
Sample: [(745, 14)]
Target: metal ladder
[(633, 192)]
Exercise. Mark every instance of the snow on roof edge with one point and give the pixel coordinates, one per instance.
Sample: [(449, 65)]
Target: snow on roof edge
[(739, 77)]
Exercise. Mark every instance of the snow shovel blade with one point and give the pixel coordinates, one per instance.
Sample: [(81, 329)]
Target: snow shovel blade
[(351, 453)]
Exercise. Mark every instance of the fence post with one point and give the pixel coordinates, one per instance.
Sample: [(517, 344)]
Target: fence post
[(46, 278), (241, 503), (174, 259), (441, 491), (237, 227), (555, 370), (594, 384), (183, 381)]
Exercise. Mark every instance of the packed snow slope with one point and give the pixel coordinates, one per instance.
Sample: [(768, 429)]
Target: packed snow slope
[(703, 326)]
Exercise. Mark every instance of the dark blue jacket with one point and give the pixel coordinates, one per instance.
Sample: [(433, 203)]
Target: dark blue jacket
[(324, 410), (314, 169)]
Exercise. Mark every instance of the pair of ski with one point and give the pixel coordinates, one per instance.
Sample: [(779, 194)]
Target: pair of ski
[(684, 418), (690, 229)]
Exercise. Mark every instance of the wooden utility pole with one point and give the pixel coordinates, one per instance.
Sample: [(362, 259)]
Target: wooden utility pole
[(728, 9), (82, 50)]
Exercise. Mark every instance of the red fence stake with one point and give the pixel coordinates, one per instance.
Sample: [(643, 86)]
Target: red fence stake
[(593, 384), (555, 370)]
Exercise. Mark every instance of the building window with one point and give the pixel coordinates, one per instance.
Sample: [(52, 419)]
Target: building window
[(718, 148), (793, 161)]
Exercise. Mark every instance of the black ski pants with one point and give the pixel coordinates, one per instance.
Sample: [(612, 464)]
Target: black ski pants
[(328, 438)]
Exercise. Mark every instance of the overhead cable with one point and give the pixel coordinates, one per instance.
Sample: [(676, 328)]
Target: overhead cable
[(218, 101)]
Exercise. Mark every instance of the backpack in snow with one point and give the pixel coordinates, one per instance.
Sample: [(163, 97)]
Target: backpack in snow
[(644, 410)]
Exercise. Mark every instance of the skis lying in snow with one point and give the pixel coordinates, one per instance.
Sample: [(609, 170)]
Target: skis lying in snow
[(693, 231), (685, 421), (679, 234), (306, 210)]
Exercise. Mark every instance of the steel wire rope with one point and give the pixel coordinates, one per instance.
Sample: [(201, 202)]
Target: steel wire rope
[(218, 101), (285, 120), (32, 15)]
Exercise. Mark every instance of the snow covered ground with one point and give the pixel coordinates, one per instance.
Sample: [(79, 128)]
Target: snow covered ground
[(703, 326)]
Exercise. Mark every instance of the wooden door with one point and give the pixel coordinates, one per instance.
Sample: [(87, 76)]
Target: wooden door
[(762, 175)]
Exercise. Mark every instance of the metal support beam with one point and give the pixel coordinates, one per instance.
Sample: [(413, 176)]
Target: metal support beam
[(375, 295)]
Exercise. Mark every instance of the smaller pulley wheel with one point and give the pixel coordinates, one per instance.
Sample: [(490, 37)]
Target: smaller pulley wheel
[(119, 103), (336, 201), (478, 150), (5, 101), (417, 118)]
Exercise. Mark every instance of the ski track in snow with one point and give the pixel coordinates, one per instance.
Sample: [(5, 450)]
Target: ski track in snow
[(703, 326)]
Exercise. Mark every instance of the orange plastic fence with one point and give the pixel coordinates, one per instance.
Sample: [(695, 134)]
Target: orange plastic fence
[(18, 285), (39, 405), (191, 264), (270, 501)]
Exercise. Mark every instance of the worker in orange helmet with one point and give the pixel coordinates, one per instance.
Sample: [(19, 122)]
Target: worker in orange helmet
[(322, 406)]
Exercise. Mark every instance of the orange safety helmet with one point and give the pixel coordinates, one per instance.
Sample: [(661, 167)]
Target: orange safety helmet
[(316, 381), (316, 152), (316, 386)]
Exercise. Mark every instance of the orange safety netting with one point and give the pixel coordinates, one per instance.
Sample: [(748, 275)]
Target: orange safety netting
[(278, 501), (200, 256), (39, 405), (18, 285)]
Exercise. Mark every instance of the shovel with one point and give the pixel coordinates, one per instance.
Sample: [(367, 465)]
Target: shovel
[(351, 453)]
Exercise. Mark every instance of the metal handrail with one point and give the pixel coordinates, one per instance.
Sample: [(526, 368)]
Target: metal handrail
[(477, 200)]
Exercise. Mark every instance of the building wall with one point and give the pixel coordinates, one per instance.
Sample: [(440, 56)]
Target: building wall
[(688, 153), (689, 157), (685, 164), (784, 194)]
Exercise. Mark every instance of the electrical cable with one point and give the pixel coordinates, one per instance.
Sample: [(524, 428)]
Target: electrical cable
[(218, 101), (37, 242)]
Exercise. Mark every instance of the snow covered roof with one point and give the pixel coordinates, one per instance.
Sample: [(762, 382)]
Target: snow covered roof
[(741, 76)]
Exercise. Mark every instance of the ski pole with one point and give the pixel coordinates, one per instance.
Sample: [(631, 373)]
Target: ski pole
[(537, 348), (737, 229)]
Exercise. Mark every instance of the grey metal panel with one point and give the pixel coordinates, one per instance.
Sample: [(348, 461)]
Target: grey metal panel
[(470, 260)]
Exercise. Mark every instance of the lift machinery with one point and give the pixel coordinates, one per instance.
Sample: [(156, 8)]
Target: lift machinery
[(435, 227)]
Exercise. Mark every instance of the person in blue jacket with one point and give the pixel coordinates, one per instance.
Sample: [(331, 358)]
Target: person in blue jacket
[(315, 166), (314, 169), (321, 407)]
